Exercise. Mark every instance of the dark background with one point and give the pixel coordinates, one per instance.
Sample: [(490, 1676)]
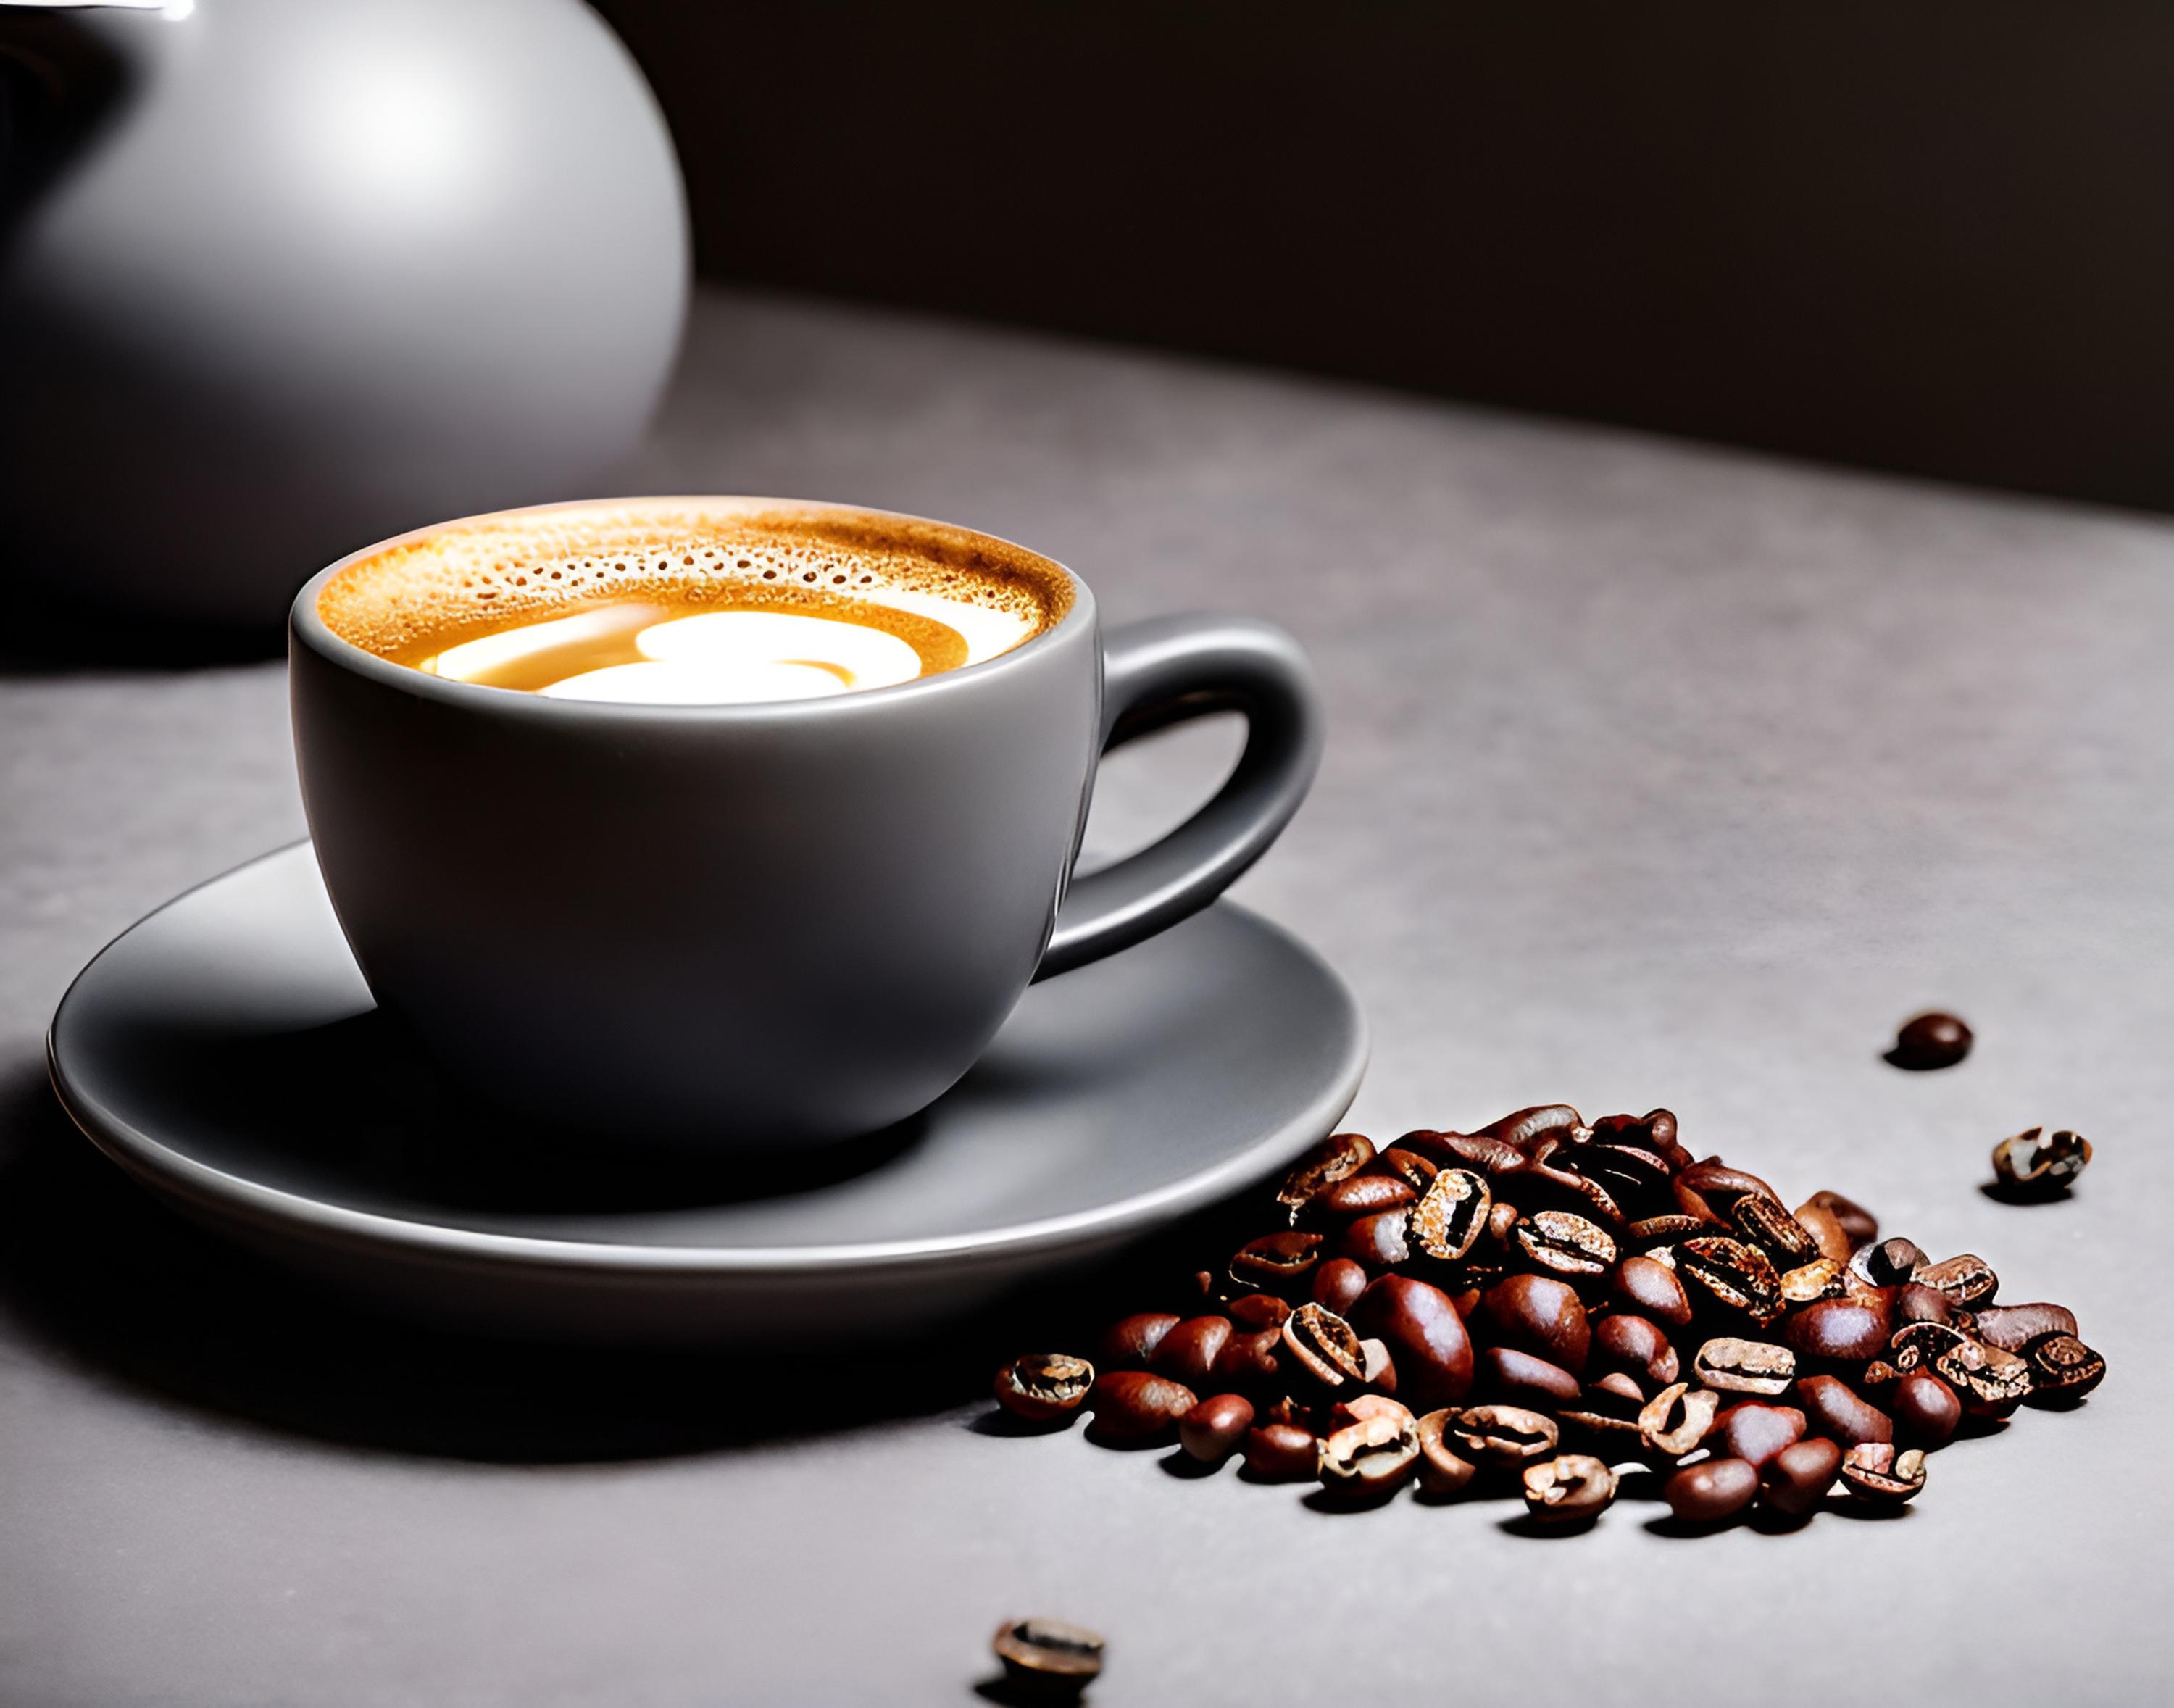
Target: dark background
[(1935, 235)]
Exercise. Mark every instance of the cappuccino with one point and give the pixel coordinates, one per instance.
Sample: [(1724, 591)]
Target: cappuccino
[(677, 603)]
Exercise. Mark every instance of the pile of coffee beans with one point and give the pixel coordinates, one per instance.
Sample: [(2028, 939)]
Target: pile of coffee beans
[(1565, 1309)]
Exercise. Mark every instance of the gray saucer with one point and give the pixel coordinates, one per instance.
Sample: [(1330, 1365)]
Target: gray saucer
[(225, 1052)]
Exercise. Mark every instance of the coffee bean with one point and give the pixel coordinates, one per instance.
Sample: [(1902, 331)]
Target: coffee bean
[(1809, 1283), (1369, 1455), (1504, 1434), (1622, 1387), (1361, 1195), (1282, 1452), (1711, 1490), (1606, 1414), (1731, 1365), (1875, 1470), (1048, 1654), (1966, 1280), (1643, 1235), (1989, 1382), (1925, 1409), (1757, 1434), (1277, 1262), (1829, 1237), (1835, 1411), (1321, 1348), (1623, 1342), (1930, 1041), (1338, 1282), (1711, 1188), (1414, 1168), (1547, 1184), (1359, 1405), (1637, 1179), (1443, 1470), (1251, 1363), (1425, 1335), (1335, 1158), (2063, 1368), (1911, 1302), (1676, 1419), (1448, 1221), (2031, 1162), (1566, 1245), (1839, 1331), (1487, 1156), (1378, 1241), (1212, 1431), (1858, 1225), (2013, 1327), (1042, 1387), (1652, 1289), (1377, 1370), (1539, 1314), (1524, 1127), (1570, 1489), (1136, 1406), (1891, 1262), (1798, 1478), (1130, 1342), (1733, 1275), (1187, 1352), (1251, 1312), (1764, 1223), (1519, 1379)]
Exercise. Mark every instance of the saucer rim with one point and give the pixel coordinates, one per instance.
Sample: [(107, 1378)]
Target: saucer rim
[(230, 1197)]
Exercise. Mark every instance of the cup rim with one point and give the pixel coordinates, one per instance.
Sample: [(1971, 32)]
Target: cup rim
[(304, 626)]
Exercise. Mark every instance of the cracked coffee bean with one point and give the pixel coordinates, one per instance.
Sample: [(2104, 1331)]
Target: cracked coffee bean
[(1798, 1478), (1926, 1412), (1048, 1654), (2033, 1162), (1187, 1352), (1213, 1430), (1735, 1276), (2013, 1327), (1322, 1347), (1504, 1434), (1279, 1452), (1570, 1489), (1730, 1365), (1131, 1341), (1875, 1470), (1335, 1158), (1966, 1280), (1711, 1490), (1811, 1283), (1448, 1221), (1277, 1262), (1837, 1412), (1135, 1406), (1566, 1245), (1425, 1338), (1443, 1471), (1764, 1223), (1930, 1041), (1372, 1454), (2063, 1368), (1540, 1314), (1043, 1386), (1676, 1419)]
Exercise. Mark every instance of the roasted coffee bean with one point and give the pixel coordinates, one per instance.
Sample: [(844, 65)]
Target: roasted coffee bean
[(1336, 1282), (1042, 1387), (1360, 1406), (1570, 1489), (1858, 1225), (1925, 1409), (1764, 1223), (1676, 1419), (1811, 1283), (1251, 1363), (1565, 1244), (1756, 1433), (2033, 1162), (1653, 1290), (1414, 1168), (1212, 1431), (1321, 1348), (1735, 1276), (1335, 1158), (1930, 1041), (1443, 1471), (1624, 1341), (1133, 1406), (1728, 1365), (1524, 1127), (1130, 1342), (1966, 1280), (1048, 1656), (1839, 1331), (1712, 1188), (1828, 1235), (1448, 1221), (2063, 1368), (1360, 1195), (1835, 1411), (1252, 1312), (1645, 1234), (2013, 1327), (1504, 1434), (1711, 1490), (1369, 1455), (1878, 1375), (1486, 1156), (1798, 1478), (1519, 1379), (1637, 1179), (1277, 1262), (1377, 1370), (1874, 1471), (1911, 1302), (1282, 1452), (1891, 1262), (1622, 1388), (1546, 1184), (1539, 1314), (1187, 1352), (1425, 1335), (1378, 1241), (1989, 1382)]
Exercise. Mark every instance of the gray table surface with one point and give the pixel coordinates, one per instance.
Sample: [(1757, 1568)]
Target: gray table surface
[(1657, 775)]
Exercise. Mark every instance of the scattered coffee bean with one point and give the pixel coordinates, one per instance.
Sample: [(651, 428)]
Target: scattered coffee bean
[(1337, 1157), (1379, 1241), (1913, 1302), (1504, 1434), (1212, 1431), (1736, 1276), (1252, 1312), (1042, 1387), (1524, 1127), (1798, 1478), (1135, 1406), (1711, 1490), (1372, 1454), (1890, 1263), (1187, 1352), (1858, 1225), (1443, 1470), (2013, 1327), (1676, 1419), (1567, 1245), (1875, 1470), (1361, 1195), (1282, 1452), (1540, 1314), (1926, 1412), (1322, 1348), (1277, 1261), (1966, 1280), (1376, 1369), (1570, 1489), (1636, 1346), (1652, 1289), (1811, 1283), (2063, 1368), (1048, 1654), (1251, 1364), (1757, 1434), (1764, 1223), (1519, 1379), (1730, 1365), (2031, 1162), (1130, 1342), (1844, 1416), (1414, 1168), (1425, 1336), (1841, 1331), (1338, 1282), (1662, 1230), (1449, 1220), (1930, 1041), (1828, 1234)]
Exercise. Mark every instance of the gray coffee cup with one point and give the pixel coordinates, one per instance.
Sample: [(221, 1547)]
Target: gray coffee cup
[(771, 924)]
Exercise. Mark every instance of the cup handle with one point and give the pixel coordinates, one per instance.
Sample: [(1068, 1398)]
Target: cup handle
[(1164, 672)]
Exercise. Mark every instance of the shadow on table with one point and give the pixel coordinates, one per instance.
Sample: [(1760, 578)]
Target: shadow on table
[(95, 1268), (47, 635)]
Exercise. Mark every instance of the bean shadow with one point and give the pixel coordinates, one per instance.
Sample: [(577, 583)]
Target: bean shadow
[(97, 1272)]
